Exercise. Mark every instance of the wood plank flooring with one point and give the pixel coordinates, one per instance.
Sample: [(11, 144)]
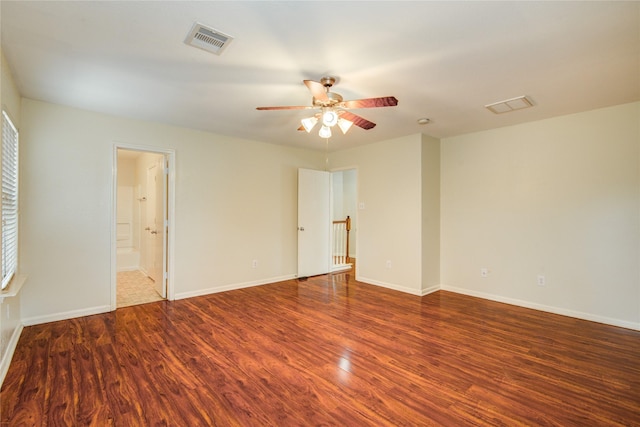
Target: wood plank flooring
[(326, 351)]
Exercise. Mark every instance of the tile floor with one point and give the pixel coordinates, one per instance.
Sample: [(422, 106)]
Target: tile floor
[(133, 288)]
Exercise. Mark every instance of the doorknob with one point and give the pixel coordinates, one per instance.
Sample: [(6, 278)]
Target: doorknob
[(301, 228), (154, 232), (147, 228)]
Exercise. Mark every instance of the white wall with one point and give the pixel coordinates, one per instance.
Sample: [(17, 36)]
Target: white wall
[(559, 197), (235, 202), (127, 203), (10, 323), (350, 206), (430, 151), (389, 227)]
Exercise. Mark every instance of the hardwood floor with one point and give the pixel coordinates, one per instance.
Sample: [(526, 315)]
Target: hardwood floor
[(324, 351)]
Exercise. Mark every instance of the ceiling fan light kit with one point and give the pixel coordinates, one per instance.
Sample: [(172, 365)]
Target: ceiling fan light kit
[(333, 109), (329, 117), (309, 123), (325, 132), (344, 125)]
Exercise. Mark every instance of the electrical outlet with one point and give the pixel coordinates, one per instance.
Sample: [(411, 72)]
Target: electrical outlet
[(254, 264), (388, 263), (542, 281), (484, 272)]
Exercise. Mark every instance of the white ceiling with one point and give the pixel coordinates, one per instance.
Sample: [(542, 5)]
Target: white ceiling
[(442, 60)]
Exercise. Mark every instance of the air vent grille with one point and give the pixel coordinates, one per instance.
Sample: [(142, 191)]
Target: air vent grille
[(509, 105), (208, 39)]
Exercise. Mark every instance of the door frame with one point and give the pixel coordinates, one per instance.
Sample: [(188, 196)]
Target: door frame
[(170, 155), (354, 221)]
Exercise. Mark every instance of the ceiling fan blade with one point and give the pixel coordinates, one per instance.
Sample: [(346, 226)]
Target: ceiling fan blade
[(357, 120), (317, 90), (292, 107), (385, 101)]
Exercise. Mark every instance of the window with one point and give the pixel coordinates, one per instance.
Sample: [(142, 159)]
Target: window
[(9, 200)]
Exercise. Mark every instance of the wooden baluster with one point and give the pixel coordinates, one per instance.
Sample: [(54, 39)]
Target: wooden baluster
[(340, 253), (348, 227)]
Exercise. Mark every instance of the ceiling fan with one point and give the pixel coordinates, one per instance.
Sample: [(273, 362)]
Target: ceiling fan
[(333, 109)]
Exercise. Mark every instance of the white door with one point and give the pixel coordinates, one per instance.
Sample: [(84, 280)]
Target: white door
[(314, 222), (156, 230)]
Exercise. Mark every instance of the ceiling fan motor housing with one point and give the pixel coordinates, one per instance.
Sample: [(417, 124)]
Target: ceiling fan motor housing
[(334, 98), (328, 82)]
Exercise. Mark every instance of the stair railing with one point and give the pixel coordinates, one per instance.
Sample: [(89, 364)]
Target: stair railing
[(340, 252)]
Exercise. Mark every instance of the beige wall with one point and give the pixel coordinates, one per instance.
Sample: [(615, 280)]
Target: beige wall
[(430, 151), (388, 228), (399, 184), (128, 208), (10, 324), (559, 198), (235, 202)]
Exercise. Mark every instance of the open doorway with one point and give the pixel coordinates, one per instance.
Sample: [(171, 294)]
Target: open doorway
[(344, 218), (326, 221), (141, 224)]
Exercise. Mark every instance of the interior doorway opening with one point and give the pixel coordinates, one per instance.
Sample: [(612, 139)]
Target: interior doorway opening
[(140, 240), (327, 218), (344, 218)]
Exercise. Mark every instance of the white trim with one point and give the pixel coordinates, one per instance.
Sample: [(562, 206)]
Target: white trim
[(8, 354), (170, 155), (14, 287), (225, 288), (340, 267), (37, 320), (430, 290), (393, 286), (545, 308)]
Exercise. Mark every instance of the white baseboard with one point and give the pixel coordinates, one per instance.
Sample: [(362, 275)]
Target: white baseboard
[(341, 267), (8, 354), (393, 286), (430, 290), (545, 308), (29, 321), (418, 292), (201, 292)]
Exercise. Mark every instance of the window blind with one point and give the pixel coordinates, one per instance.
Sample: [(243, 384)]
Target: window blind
[(9, 200)]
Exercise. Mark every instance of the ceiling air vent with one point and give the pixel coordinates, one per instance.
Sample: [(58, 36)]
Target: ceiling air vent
[(510, 105), (207, 39)]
